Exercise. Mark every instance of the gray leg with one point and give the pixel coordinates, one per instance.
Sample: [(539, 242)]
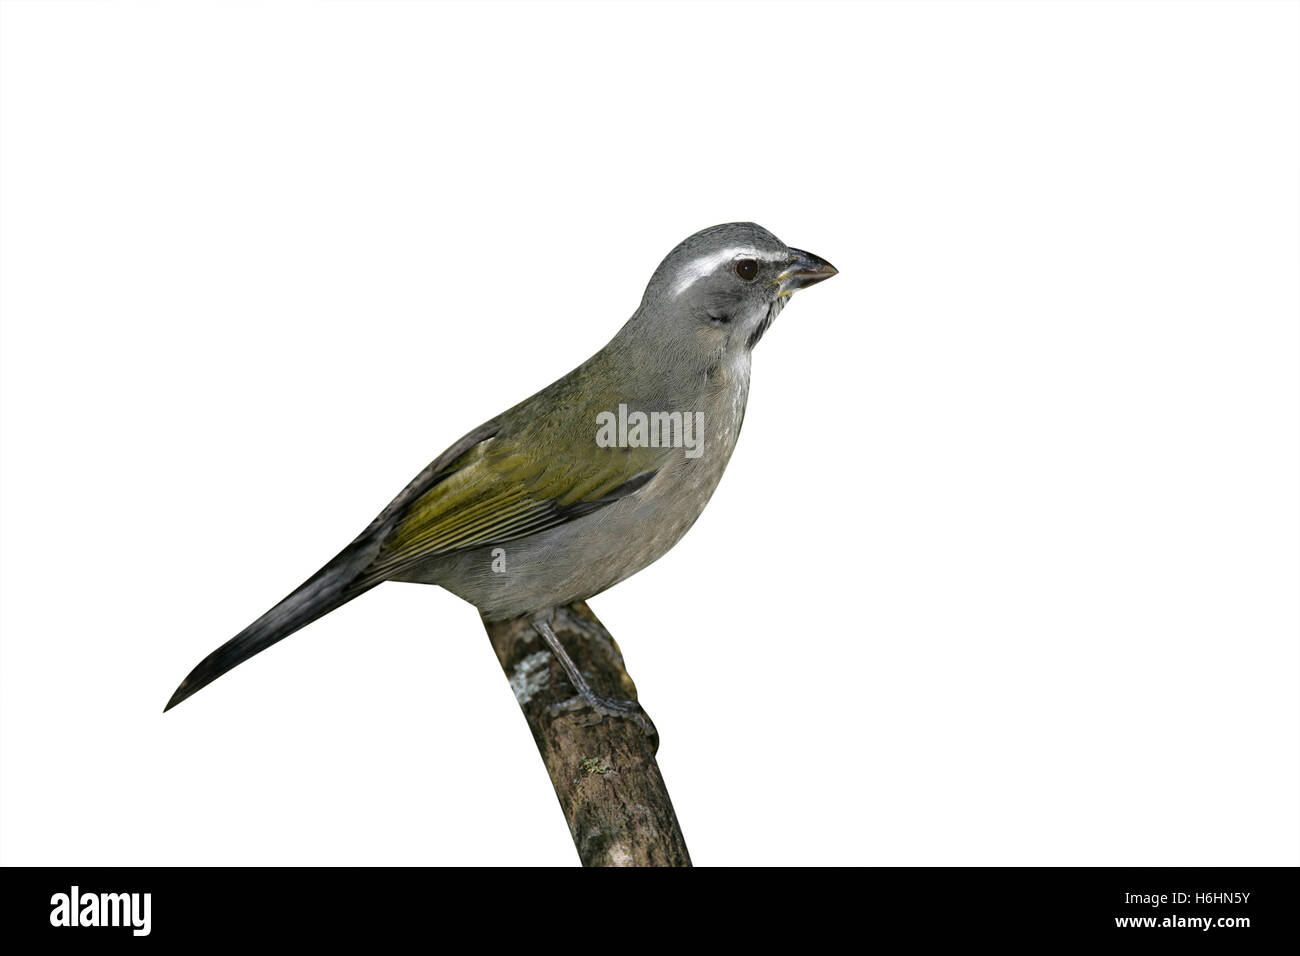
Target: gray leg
[(604, 706)]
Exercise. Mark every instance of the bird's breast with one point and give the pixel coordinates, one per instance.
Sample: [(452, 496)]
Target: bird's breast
[(584, 557)]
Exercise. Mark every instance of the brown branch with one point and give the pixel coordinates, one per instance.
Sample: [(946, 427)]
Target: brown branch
[(603, 769)]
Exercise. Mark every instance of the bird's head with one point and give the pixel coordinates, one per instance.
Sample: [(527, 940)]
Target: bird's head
[(722, 287)]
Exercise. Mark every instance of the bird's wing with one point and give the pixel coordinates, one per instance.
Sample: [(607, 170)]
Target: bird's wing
[(490, 486), (500, 490)]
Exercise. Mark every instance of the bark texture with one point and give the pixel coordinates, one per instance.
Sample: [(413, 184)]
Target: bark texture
[(603, 768)]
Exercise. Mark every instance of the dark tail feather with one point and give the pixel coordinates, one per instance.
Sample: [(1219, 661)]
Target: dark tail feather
[(329, 588), (332, 586)]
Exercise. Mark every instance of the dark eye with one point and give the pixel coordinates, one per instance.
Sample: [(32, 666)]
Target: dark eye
[(747, 268)]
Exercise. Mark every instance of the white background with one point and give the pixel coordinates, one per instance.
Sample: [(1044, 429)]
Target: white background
[(1004, 569)]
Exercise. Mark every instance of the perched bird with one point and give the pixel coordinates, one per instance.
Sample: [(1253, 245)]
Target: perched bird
[(586, 482)]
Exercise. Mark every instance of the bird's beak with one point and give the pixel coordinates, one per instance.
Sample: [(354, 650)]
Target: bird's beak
[(806, 269)]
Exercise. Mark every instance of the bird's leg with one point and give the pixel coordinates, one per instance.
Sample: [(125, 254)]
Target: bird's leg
[(604, 706)]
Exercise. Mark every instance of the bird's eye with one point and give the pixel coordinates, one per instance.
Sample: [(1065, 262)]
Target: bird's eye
[(747, 268)]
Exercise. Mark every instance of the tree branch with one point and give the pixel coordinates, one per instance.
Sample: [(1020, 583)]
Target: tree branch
[(603, 770)]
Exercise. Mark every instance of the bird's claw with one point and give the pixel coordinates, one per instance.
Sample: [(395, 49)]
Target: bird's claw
[(611, 707)]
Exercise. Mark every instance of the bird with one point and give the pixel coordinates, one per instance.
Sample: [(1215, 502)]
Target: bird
[(584, 483)]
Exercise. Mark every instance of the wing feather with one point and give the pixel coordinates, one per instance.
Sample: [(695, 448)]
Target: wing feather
[(496, 492)]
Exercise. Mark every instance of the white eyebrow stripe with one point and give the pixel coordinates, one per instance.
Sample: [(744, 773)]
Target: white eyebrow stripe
[(698, 268)]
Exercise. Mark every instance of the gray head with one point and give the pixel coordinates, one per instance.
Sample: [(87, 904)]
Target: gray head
[(720, 289)]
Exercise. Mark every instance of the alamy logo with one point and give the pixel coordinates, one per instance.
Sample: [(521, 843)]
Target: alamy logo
[(101, 909), (651, 430)]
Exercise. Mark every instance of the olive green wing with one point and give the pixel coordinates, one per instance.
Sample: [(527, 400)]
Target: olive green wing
[(501, 490)]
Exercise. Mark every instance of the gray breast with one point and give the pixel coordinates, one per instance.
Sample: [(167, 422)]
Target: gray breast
[(584, 557)]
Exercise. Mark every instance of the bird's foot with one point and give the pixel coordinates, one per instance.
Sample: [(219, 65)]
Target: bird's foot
[(603, 706), (611, 707)]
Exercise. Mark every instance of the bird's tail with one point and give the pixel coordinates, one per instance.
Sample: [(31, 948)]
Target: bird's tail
[(329, 588)]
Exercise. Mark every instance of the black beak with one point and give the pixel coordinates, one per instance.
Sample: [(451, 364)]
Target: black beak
[(806, 269)]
